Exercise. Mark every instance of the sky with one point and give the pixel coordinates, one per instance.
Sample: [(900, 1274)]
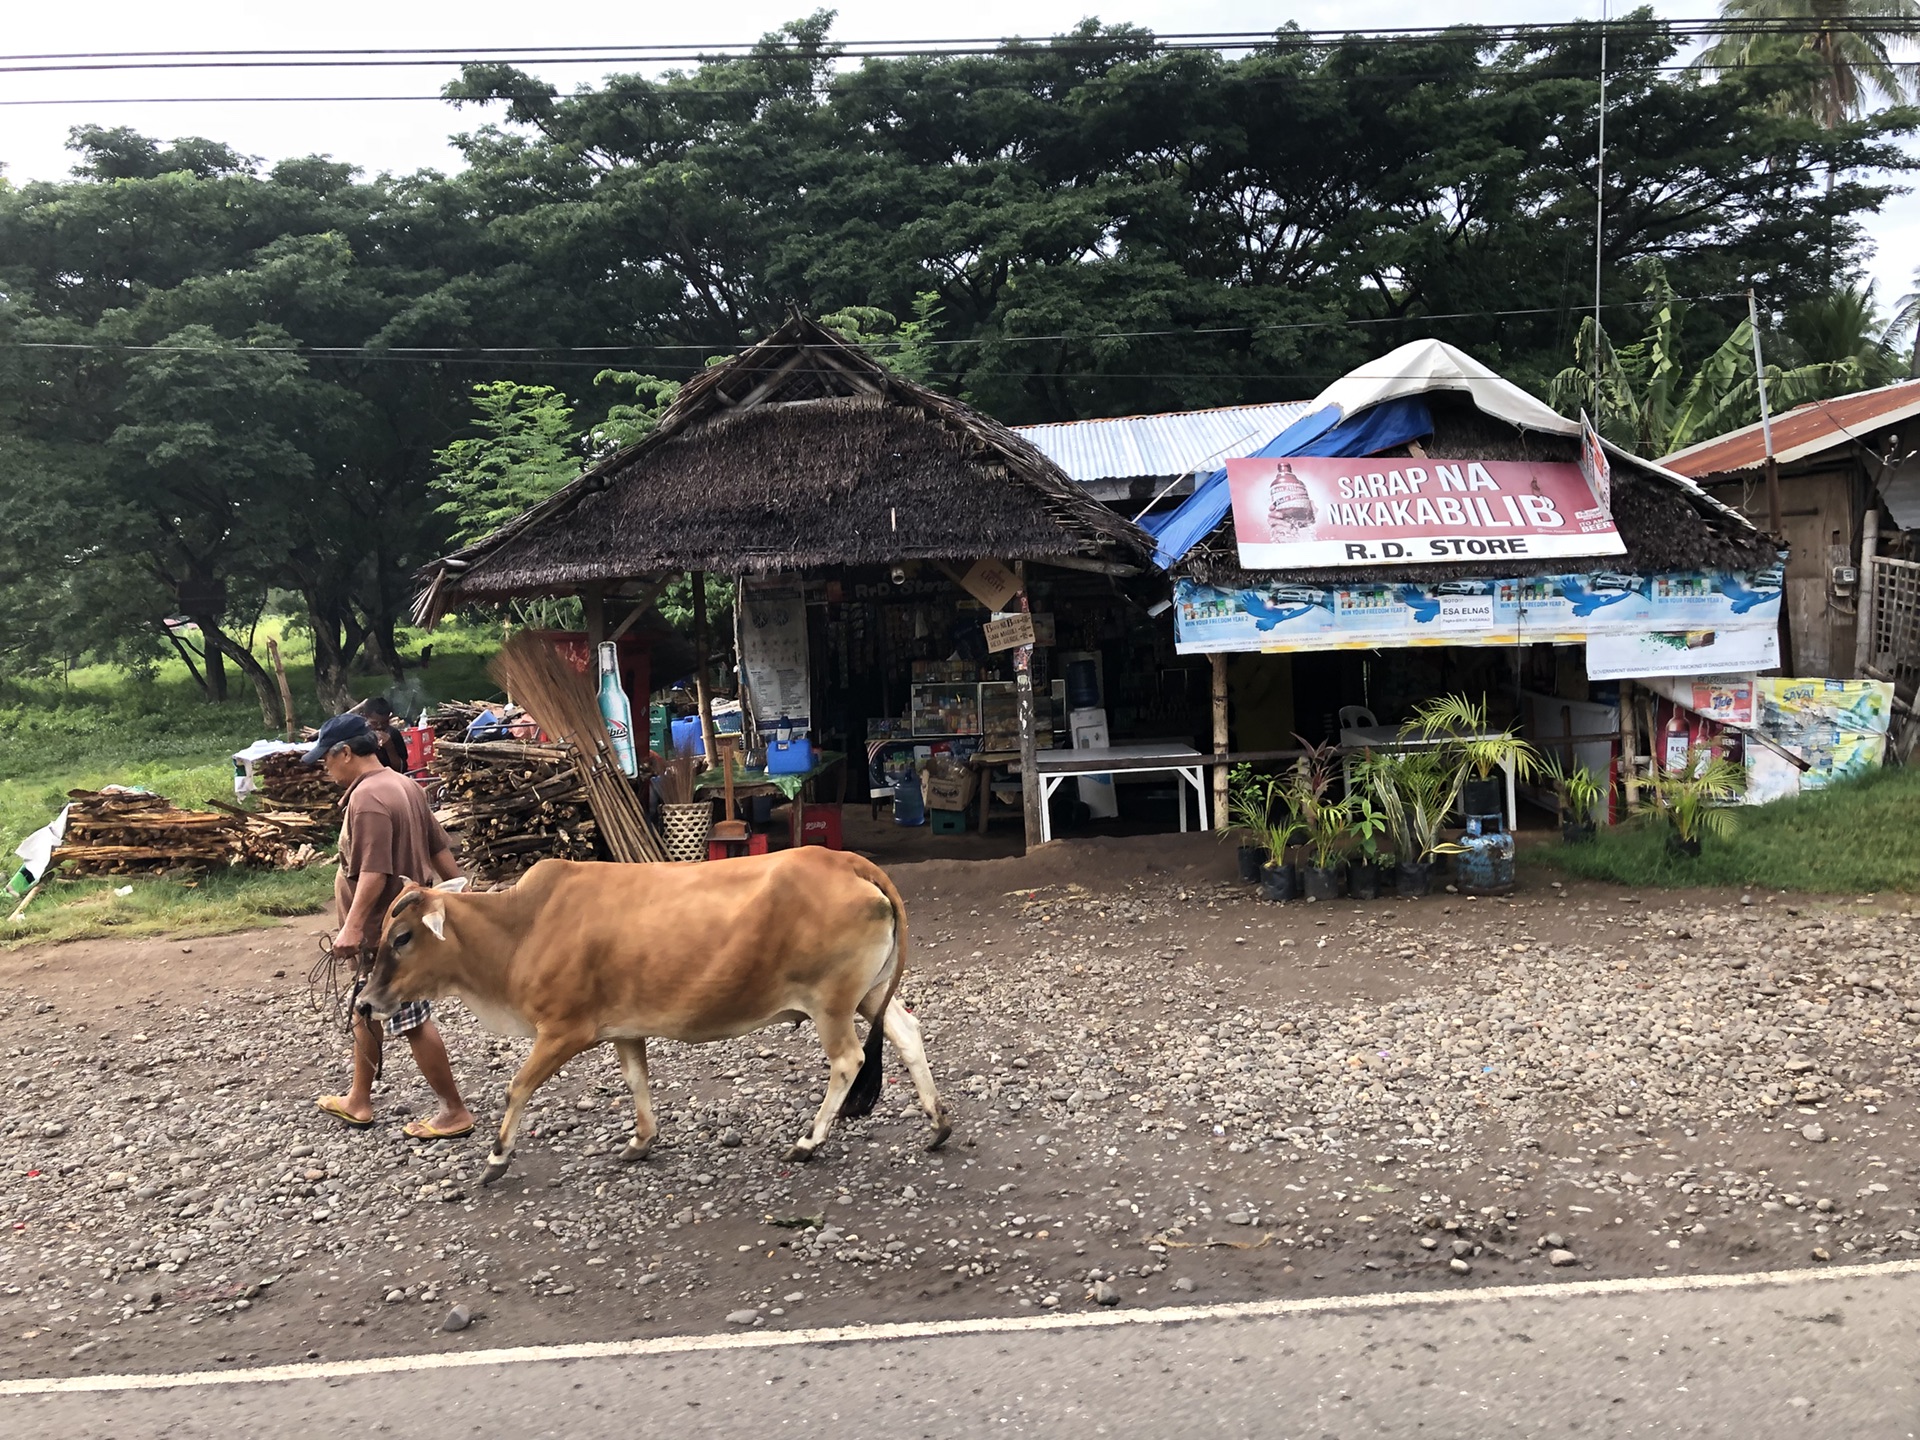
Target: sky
[(400, 136)]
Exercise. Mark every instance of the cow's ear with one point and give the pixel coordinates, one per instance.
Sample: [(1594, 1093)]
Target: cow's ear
[(435, 919)]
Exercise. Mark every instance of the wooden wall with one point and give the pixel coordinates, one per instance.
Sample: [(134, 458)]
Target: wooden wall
[(1821, 514)]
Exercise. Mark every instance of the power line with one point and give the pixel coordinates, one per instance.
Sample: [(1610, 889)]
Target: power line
[(534, 354), (1022, 46)]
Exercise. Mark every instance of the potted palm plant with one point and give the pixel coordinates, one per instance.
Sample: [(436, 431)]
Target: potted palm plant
[(1579, 794), (1322, 819), (1692, 799), (1458, 728)]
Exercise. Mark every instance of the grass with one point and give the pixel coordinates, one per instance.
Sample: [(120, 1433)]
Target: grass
[(1856, 838), (100, 725), (211, 905)]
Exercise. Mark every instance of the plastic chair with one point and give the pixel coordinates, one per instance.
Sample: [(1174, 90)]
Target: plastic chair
[(1356, 717)]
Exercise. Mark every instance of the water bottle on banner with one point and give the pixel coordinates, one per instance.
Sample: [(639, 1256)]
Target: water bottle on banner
[(617, 711)]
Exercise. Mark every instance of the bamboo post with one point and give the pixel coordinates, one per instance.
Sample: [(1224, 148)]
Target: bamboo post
[(1863, 606), (1030, 801), (286, 693), (703, 647), (1219, 741), (593, 608), (1629, 776)]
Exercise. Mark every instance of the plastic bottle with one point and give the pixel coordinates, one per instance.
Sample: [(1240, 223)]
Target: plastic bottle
[(1289, 506), (617, 711)]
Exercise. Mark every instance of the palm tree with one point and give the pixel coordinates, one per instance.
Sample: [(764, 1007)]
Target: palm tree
[(1848, 59), (1840, 333)]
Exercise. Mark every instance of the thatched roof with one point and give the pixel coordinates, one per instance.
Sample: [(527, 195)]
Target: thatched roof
[(801, 451), (1665, 523)]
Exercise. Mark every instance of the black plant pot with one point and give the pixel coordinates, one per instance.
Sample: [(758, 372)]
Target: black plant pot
[(1412, 878), (1685, 849), (1322, 882), (1575, 832), (1252, 857), (1485, 798), (1363, 882), (1279, 882)]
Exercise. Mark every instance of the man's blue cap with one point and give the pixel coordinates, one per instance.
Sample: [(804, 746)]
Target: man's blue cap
[(339, 728)]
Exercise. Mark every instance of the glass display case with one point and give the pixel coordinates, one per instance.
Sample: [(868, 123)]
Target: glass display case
[(945, 709), (999, 716)]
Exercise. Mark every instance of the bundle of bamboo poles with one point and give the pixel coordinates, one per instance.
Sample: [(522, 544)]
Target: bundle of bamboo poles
[(562, 701), (508, 804), (117, 832)]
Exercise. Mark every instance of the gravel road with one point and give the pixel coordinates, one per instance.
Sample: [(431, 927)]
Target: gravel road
[(1164, 1090)]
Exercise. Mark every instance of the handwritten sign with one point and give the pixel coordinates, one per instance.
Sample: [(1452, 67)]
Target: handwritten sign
[(1010, 633)]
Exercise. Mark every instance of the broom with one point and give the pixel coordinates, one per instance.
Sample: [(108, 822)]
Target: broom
[(563, 703)]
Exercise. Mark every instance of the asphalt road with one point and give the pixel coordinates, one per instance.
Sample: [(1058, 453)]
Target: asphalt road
[(1808, 1354)]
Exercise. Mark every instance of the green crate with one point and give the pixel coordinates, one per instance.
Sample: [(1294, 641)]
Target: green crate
[(948, 822)]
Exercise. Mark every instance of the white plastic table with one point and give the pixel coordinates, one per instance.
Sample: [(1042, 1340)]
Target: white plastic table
[(1388, 737), (1056, 766)]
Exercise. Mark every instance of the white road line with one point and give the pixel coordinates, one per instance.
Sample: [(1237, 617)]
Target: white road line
[(928, 1329)]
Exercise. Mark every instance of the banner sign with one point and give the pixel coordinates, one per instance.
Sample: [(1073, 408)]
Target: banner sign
[(1838, 726), (1682, 652), (1318, 512), (1558, 609), (1594, 466), (772, 636)]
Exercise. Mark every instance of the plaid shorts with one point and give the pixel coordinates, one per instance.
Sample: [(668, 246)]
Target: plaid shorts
[(410, 1016)]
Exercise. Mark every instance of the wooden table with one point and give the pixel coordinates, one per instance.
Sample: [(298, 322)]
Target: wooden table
[(986, 762)]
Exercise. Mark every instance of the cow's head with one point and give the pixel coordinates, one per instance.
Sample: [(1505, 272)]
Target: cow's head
[(403, 968)]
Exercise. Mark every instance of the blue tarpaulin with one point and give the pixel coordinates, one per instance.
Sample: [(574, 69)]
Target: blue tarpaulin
[(1380, 427)]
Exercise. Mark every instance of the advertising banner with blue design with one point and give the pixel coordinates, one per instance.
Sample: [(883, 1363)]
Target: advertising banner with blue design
[(1690, 613)]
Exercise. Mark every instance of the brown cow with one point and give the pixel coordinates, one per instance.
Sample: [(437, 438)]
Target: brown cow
[(578, 954)]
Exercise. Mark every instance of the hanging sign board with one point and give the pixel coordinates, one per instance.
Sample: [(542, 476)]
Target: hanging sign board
[(1320, 512), (1682, 652), (991, 582), (1010, 633), (773, 651)]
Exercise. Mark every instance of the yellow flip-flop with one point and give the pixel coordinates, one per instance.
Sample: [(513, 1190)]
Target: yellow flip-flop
[(425, 1130), (331, 1105)]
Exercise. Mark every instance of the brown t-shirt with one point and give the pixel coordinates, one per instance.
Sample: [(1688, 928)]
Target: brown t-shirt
[(389, 830)]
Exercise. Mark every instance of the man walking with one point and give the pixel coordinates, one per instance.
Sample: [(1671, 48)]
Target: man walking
[(389, 836)]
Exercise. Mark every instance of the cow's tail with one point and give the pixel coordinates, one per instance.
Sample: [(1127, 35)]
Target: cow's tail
[(864, 1093)]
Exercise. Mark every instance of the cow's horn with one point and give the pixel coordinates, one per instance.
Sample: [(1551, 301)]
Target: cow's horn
[(412, 897)]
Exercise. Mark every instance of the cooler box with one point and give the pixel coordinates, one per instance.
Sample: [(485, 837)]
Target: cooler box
[(419, 740), (789, 757), (820, 825)]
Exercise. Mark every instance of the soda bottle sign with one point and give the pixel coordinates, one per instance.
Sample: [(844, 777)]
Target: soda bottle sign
[(617, 711)]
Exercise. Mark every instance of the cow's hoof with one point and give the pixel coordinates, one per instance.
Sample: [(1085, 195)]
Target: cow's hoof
[(800, 1153), (940, 1134), (495, 1169), (635, 1151)]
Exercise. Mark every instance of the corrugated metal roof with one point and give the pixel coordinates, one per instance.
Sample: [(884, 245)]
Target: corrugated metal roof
[(1177, 443), (1801, 432)]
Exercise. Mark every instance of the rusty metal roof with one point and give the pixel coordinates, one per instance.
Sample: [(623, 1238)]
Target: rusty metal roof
[(1802, 432)]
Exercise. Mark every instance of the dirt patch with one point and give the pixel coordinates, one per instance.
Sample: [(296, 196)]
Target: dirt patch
[(1163, 1090)]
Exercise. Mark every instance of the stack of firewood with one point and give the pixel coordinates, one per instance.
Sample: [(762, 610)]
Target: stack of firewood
[(507, 805), (288, 783), (116, 832)]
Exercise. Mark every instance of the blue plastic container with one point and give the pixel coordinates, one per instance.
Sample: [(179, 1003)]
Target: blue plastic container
[(909, 800), (686, 736), (1485, 865), (789, 757)]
